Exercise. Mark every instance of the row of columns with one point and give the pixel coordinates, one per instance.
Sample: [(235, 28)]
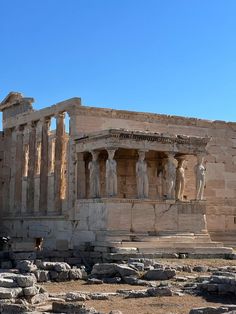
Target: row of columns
[(173, 176), (37, 167)]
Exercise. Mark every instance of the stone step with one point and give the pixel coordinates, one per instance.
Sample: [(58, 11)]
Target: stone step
[(161, 245), (185, 239)]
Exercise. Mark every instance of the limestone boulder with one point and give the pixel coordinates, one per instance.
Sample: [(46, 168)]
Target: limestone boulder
[(26, 266), (30, 291), (77, 273), (6, 308), (24, 281), (10, 293), (72, 308), (42, 275), (160, 274), (125, 270), (56, 266), (137, 294), (7, 283), (75, 296), (105, 270), (160, 292)]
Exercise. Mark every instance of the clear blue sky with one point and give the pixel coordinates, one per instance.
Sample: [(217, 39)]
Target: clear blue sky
[(164, 56)]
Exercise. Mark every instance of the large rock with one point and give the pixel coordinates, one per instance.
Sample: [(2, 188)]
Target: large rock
[(125, 270), (160, 292), (160, 274), (42, 275), (30, 291), (104, 270), (56, 266), (76, 296), (24, 281), (76, 273), (63, 275), (7, 283), (10, 293), (26, 266), (210, 310), (137, 294), (13, 308), (112, 270), (39, 298), (72, 308)]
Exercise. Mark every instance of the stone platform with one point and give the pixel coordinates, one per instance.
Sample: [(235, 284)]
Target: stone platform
[(131, 226)]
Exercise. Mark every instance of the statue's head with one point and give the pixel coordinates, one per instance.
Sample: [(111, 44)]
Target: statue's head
[(200, 159), (95, 155), (141, 155), (111, 153)]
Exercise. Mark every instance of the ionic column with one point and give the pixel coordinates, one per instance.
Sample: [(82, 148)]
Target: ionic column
[(51, 160), (7, 172), (75, 167), (111, 174), (94, 176), (38, 151), (80, 177), (31, 169), (200, 174), (170, 176), (25, 167), (180, 178), (142, 176), (13, 170), (43, 197), (18, 170), (60, 153)]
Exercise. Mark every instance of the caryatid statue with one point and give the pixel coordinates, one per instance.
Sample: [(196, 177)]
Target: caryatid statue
[(180, 179), (94, 175), (200, 172), (170, 176), (111, 174), (142, 176)]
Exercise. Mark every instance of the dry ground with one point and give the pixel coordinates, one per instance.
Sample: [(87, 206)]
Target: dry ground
[(157, 305)]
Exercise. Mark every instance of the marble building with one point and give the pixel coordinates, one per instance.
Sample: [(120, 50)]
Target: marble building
[(118, 181)]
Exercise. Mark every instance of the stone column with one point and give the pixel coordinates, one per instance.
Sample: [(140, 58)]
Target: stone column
[(81, 178), (51, 159), (94, 176), (19, 167), (25, 167), (59, 175), (142, 176), (170, 176), (12, 170), (72, 163), (200, 173), (111, 174), (38, 151), (180, 178), (44, 167), (31, 169), (7, 170)]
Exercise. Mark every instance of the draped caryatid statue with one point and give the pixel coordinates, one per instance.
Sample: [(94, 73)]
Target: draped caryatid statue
[(111, 174), (200, 173), (180, 179), (169, 176), (94, 176), (142, 176)]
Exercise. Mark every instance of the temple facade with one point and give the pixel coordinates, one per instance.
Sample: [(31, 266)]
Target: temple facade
[(116, 181)]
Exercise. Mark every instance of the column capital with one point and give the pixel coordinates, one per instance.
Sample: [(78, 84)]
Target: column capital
[(60, 115)]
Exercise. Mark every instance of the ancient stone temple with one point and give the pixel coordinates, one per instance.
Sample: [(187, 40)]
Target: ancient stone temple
[(117, 181)]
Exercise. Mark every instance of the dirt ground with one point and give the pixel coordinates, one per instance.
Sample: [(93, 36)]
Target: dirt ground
[(151, 305)]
